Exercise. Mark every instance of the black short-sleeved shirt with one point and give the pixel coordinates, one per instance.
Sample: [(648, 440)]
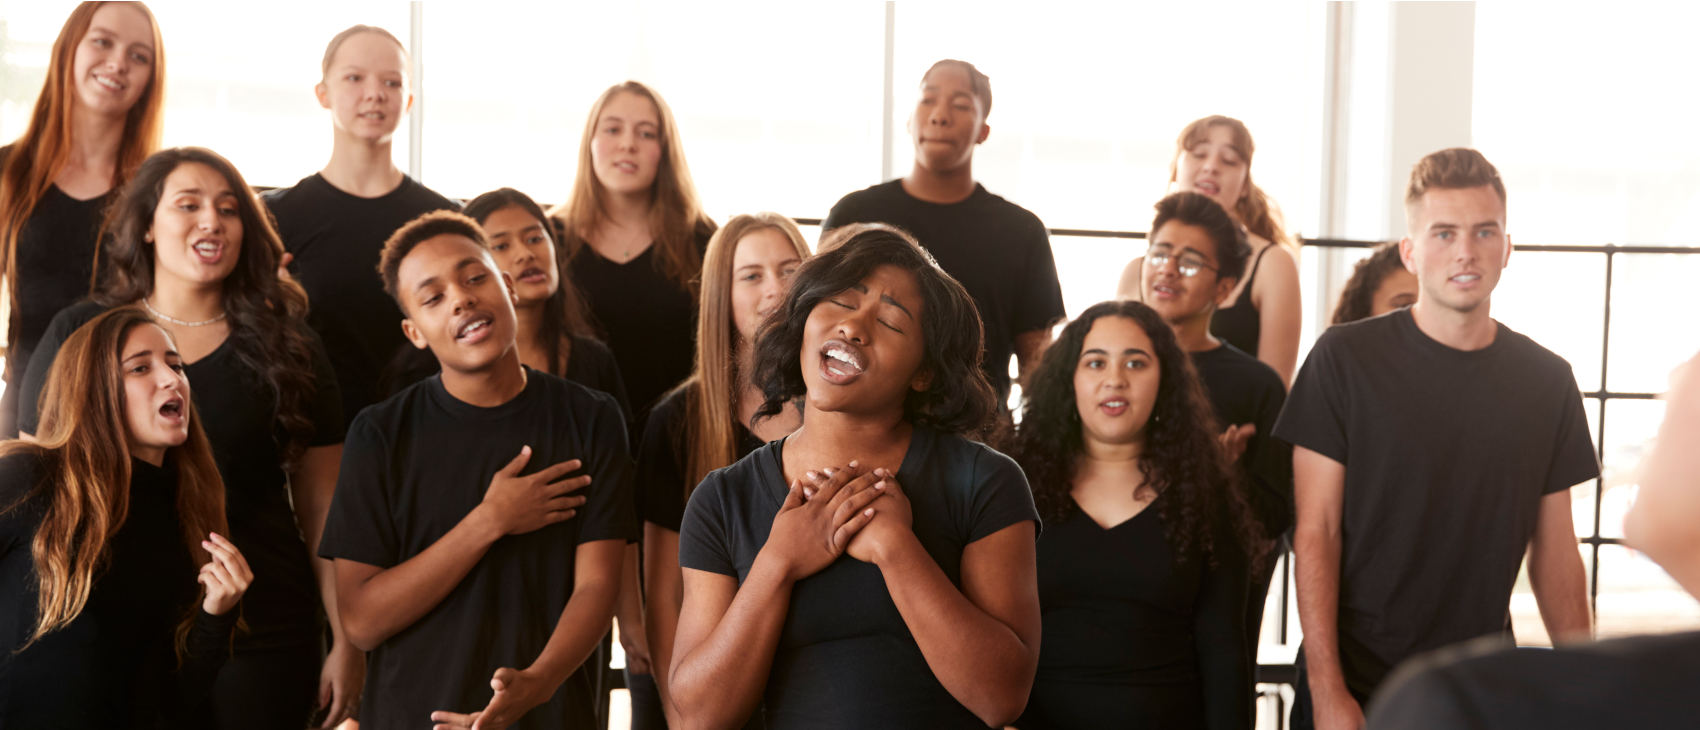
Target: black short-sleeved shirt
[(845, 657), (1640, 682), (55, 262), (664, 456), (1448, 454), (647, 319), (336, 238), (1242, 390), (1133, 637), (998, 250), (115, 665), (413, 467), (589, 363), (236, 410)]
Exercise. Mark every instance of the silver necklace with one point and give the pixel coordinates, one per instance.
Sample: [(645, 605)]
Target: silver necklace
[(180, 322)]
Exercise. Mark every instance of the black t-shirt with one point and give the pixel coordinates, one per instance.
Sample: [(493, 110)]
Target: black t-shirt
[(1132, 636), (590, 364), (647, 319), (1448, 454), (1640, 682), (998, 250), (55, 262), (115, 664), (1244, 390), (663, 457), (336, 238), (413, 467), (845, 657), (236, 411)]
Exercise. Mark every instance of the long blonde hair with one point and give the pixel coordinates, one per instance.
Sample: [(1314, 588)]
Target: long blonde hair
[(711, 391), (83, 444), (676, 218), (1255, 209), (36, 157)]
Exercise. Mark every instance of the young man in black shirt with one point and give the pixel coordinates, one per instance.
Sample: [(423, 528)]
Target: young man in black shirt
[(998, 250), (1197, 256), (1641, 682), (455, 588), (1434, 449)]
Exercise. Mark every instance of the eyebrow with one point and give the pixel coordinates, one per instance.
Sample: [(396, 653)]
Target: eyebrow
[(888, 300), (791, 260), (461, 265), (1128, 351), (198, 191), (111, 32), (148, 353)]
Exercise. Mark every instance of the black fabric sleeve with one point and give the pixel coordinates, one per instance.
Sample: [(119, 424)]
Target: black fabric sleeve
[(358, 526), (1001, 496), (1574, 460), (660, 469), (1041, 302), (41, 361), (1269, 462), (607, 511), (1224, 659), (327, 396), (206, 648), (704, 541), (1314, 416)]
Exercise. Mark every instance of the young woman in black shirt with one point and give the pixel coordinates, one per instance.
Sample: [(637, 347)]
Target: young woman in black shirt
[(191, 245), (933, 619), (334, 222), (1143, 564), (708, 421), (103, 520), (97, 117)]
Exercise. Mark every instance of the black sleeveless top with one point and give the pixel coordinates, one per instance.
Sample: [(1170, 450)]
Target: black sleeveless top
[(1240, 324)]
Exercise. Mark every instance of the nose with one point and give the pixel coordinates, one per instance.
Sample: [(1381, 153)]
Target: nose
[(167, 379), (1171, 265), (464, 298), (852, 329), (210, 219)]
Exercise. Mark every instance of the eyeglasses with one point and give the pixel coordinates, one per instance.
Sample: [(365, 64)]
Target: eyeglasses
[(1187, 264)]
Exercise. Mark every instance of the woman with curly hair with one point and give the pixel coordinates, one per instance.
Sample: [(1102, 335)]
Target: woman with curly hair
[(814, 584), (1379, 284), (1143, 563), (103, 521), (191, 246)]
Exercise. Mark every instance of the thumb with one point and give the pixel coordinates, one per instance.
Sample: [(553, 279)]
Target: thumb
[(793, 498), (1248, 429), (503, 678), (518, 462)]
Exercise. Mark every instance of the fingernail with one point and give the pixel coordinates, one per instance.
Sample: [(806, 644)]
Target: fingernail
[(879, 484), (811, 475), (854, 463), (869, 512)]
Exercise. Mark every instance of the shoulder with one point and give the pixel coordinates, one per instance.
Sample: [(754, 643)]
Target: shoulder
[(673, 406), (854, 207), (1008, 212), (575, 398), (21, 471), (303, 188), (730, 483), (76, 315), (1247, 368), (393, 414), (415, 192), (1532, 354), (982, 465), (597, 351)]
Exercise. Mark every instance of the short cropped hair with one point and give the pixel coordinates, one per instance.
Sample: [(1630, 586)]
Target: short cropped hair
[(417, 231), (1198, 209), (958, 398), (1455, 168), (978, 83)]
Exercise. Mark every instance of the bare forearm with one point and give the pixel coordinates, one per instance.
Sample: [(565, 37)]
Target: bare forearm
[(585, 619), (719, 682), (629, 609), (1560, 586), (311, 490), (980, 660), (376, 608), (663, 589), (1317, 569)]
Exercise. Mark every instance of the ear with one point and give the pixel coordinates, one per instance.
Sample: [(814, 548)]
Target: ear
[(1225, 286), (922, 381), (323, 94), (1505, 260), (1405, 247), (408, 106), (508, 284), (413, 334), (985, 131)]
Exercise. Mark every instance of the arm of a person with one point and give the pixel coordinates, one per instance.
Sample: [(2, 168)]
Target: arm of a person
[(311, 487), (628, 613), (664, 588), (1319, 485), (726, 639), (1130, 285), (1556, 574), (1028, 347), (1224, 660), (596, 586), (1661, 522), (376, 602), (982, 642), (1276, 296)]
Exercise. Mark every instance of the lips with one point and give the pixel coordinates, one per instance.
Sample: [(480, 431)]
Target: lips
[(172, 410), (534, 275), (108, 83), (1113, 406), (1467, 278), (209, 251), (1165, 291), (1208, 187), (841, 362), (626, 166), (474, 328)]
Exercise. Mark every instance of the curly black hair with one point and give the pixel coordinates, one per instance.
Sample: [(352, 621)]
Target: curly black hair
[(1357, 300), (958, 398), (1182, 457), (1199, 210)]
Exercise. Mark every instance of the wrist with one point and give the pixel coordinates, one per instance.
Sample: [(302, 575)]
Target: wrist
[(895, 550), (484, 524), (768, 568)]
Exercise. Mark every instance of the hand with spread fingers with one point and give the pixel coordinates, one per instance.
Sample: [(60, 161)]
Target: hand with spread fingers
[(821, 515), (517, 691), (521, 504), (226, 576)]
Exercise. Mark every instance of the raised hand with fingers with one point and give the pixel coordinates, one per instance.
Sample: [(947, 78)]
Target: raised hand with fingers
[(521, 504), (1234, 439), (821, 515), (226, 576), (340, 681), (895, 520), (517, 691)]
